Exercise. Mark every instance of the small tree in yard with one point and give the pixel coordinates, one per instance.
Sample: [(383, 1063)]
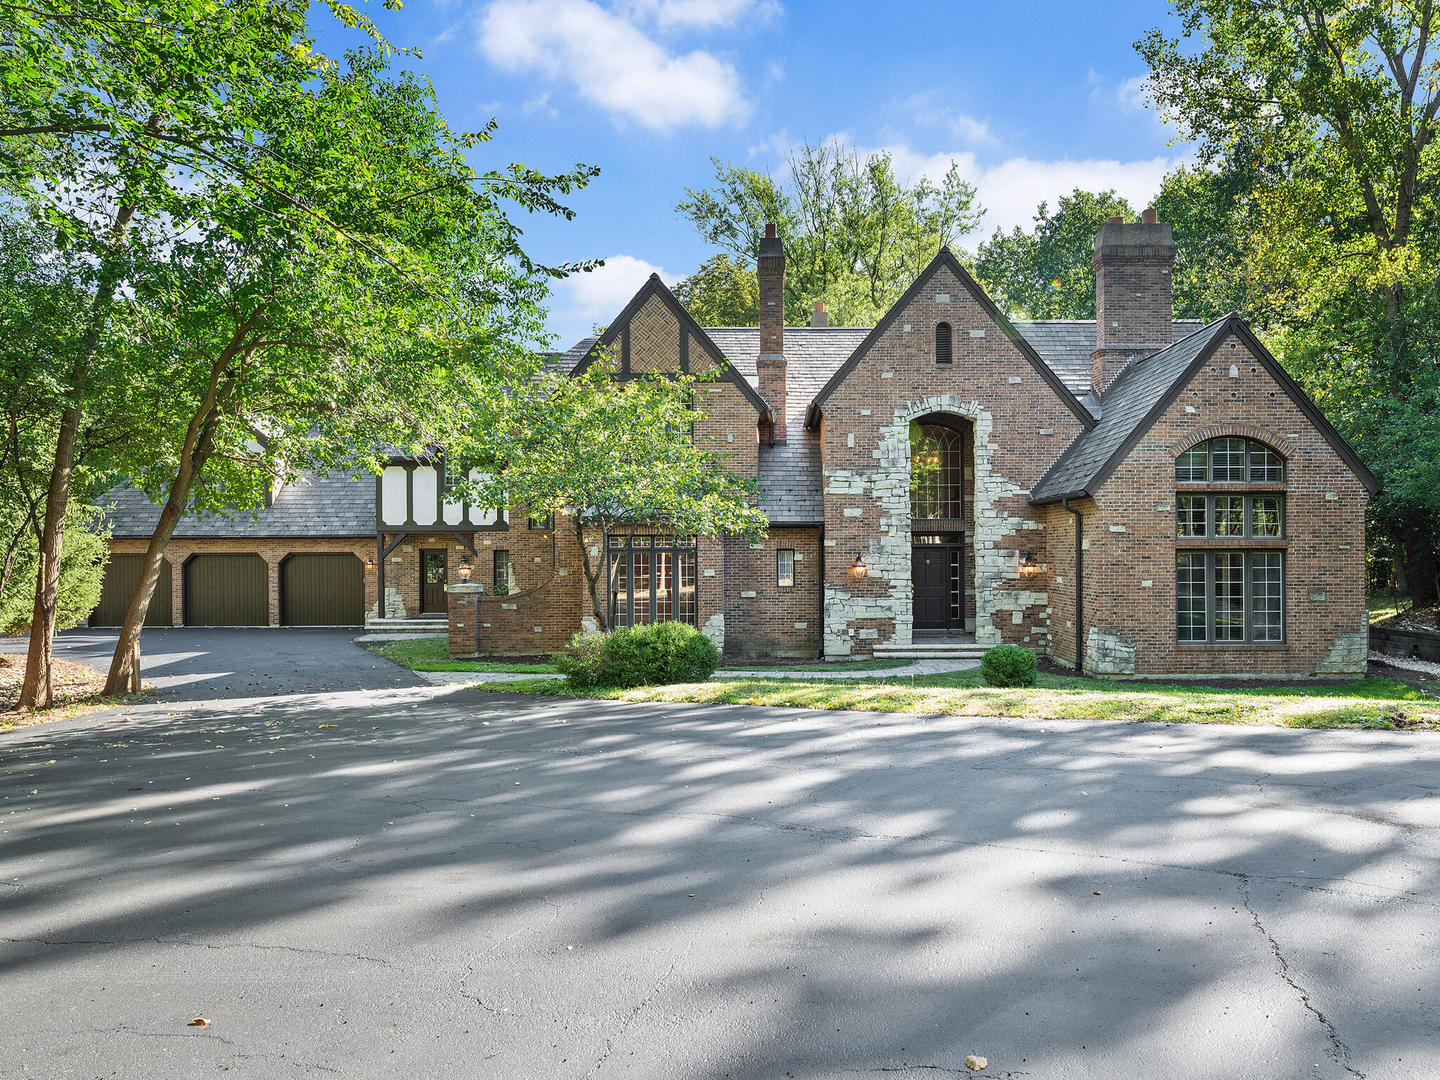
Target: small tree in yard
[(615, 456)]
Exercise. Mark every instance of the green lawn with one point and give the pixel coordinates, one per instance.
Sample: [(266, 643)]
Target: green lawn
[(432, 654), (1366, 703)]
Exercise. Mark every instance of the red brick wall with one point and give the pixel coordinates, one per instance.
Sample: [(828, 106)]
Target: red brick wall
[(761, 618), (1324, 527)]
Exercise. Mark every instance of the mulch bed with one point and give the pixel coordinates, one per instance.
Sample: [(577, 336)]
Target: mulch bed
[(72, 683), (1374, 671), (1423, 618)]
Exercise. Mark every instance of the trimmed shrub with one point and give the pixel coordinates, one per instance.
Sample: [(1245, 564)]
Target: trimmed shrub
[(668, 652), (582, 661), (1008, 665)]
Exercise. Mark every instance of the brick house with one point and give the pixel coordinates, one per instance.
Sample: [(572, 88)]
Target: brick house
[(1133, 495)]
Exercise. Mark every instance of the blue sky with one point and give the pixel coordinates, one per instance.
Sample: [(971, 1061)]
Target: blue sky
[(1031, 99)]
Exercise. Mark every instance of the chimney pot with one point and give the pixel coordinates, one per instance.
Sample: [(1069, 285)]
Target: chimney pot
[(1148, 216), (1117, 220), (769, 230), (819, 317)]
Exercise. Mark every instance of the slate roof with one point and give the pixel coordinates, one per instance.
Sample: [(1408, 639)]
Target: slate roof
[(1066, 344), (791, 483), (790, 476), (1141, 387), (310, 505)]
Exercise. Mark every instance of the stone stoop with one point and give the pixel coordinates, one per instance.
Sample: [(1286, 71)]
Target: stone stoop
[(422, 624), (932, 650)]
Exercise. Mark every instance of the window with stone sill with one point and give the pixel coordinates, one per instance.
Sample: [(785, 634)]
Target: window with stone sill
[(1230, 597)]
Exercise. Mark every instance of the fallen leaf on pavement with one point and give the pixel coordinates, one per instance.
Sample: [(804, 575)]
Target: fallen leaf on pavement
[(199, 1021), (975, 1062)]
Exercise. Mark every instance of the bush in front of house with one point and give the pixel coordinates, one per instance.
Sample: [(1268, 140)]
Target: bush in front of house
[(1008, 665), (582, 660), (668, 652)]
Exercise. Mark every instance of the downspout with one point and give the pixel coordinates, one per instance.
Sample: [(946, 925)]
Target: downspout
[(821, 537), (1079, 587)]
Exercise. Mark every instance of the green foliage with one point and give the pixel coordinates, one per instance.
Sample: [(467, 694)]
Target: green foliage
[(855, 235), (281, 257), (1335, 103), (612, 454), (82, 568), (1008, 665), (1047, 273), (723, 292), (657, 654), (582, 662)]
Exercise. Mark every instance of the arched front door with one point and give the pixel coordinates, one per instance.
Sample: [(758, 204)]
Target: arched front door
[(938, 525)]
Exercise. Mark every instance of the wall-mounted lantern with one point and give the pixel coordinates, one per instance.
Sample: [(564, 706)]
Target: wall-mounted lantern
[(1028, 564), (465, 570), (370, 566), (859, 567)]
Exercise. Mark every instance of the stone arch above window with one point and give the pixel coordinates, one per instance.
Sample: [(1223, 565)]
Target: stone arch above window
[(944, 344)]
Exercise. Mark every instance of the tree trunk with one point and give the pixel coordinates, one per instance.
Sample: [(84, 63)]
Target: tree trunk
[(124, 674), (592, 572), (194, 452), (1420, 564), (36, 693)]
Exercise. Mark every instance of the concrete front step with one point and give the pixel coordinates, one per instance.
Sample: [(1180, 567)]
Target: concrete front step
[(929, 654), (408, 626)]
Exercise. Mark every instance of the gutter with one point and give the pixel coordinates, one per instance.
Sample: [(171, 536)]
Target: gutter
[(1079, 585)]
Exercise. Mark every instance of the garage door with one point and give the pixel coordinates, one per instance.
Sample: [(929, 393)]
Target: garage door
[(122, 574), (227, 590), (322, 590)]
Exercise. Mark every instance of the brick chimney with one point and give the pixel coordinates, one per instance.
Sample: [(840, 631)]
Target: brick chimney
[(1133, 298), (770, 365), (819, 317)]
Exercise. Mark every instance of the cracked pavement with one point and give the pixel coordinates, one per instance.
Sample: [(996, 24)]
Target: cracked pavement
[(450, 882)]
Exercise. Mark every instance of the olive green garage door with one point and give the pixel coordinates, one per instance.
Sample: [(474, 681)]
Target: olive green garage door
[(227, 590), (122, 574), (322, 590)]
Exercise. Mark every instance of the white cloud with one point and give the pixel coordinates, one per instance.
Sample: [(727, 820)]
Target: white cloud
[(582, 300), (1010, 190), (969, 130), (927, 111), (612, 63), (705, 14)]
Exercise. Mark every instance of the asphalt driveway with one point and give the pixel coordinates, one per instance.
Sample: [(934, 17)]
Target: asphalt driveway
[(447, 883), (193, 663)]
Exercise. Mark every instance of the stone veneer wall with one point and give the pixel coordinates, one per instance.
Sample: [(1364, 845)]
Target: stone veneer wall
[(1020, 425), (1130, 566)]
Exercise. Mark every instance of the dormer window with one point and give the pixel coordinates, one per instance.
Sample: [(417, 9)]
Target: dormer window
[(943, 347)]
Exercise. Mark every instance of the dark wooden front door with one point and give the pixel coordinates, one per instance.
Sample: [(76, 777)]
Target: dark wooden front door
[(937, 574), (432, 582)]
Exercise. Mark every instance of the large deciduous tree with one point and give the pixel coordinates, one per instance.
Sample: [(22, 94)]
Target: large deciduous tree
[(1046, 273), (1338, 101), (615, 456), (296, 248), (855, 233)]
